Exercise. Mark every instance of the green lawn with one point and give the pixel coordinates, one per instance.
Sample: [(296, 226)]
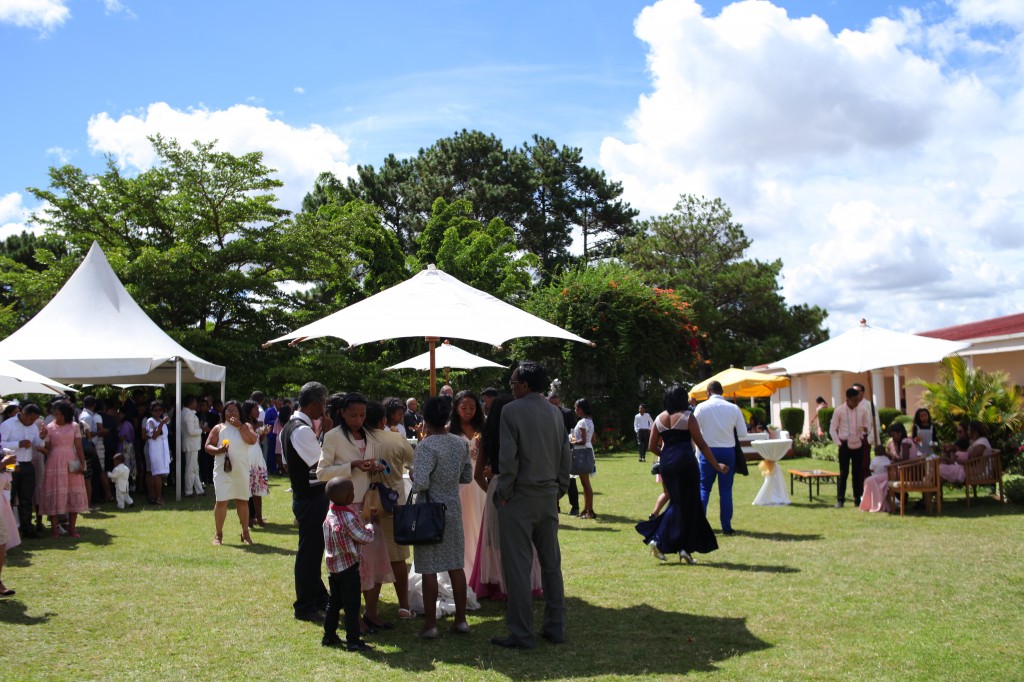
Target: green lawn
[(801, 592)]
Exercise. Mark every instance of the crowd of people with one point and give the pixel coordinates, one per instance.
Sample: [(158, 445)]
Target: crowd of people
[(497, 462)]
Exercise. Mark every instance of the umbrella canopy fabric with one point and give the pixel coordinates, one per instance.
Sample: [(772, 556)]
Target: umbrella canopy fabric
[(444, 307), (865, 348), (17, 379), (446, 355), (741, 383)]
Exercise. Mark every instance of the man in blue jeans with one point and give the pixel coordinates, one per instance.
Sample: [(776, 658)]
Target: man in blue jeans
[(722, 423)]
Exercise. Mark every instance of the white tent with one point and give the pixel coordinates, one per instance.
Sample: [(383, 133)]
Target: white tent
[(94, 332), (446, 355), (441, 306), (17, 379)]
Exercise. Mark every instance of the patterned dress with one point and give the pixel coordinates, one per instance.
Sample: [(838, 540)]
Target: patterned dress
[(441, 464)]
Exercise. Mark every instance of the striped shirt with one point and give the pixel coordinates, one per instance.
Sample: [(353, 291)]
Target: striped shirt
[(342, 536)]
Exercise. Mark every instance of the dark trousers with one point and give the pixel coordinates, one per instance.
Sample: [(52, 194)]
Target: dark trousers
[(345, 594), (310, 592), (643, 437), (527, 523), (574, 494), (23, 486), (848, 455), (205, 467)]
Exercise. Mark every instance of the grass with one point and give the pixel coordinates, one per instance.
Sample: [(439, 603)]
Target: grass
[(801, 592)]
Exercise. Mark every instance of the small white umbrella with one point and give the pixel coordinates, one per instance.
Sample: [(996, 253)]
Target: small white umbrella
[(441, 306), (446, 355), (865, 348), (17, 379)]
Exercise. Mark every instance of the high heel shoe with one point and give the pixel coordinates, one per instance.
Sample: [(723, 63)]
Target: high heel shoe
[(685, 556), (655, 552), (246, 540)]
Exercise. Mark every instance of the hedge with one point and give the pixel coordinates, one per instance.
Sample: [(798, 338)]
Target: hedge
[(792, 419)]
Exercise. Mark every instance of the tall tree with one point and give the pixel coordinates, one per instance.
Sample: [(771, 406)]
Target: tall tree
[(197, 239), (542, 191), (744, 319)]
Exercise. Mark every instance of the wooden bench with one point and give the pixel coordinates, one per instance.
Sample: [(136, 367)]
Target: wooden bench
[(984, 470)]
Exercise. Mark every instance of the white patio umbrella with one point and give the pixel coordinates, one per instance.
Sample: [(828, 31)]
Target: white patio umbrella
[(865, 348), (441, 306), (447, 356), (17, 379)]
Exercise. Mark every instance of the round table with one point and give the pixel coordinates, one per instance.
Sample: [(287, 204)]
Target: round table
[(773, 491)]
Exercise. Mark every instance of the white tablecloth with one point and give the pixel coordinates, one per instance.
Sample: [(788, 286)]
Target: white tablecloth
[(773, 491)]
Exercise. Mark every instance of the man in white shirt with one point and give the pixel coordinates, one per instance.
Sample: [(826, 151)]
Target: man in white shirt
[(851, 430), (301, 451), (21, 434), (722, 423), (642, 424)]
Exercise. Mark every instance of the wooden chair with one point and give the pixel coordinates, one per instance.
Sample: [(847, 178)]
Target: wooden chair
[(918, 475), (984, 470)]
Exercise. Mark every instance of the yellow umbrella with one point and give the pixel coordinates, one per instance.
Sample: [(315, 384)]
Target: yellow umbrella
[(741, 383)]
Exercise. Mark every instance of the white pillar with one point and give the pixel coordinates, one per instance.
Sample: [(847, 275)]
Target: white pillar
[(897, 403), (838, 393), (876, 383), (177, 428)]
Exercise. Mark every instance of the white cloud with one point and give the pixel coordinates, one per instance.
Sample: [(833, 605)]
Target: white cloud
[(39, 14), (14, 215), (117, 7), (298, 154), (63, 155), (886, 179), (299, 90)]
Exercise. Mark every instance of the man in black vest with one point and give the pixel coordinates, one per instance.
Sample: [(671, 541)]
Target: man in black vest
[(301, 450)]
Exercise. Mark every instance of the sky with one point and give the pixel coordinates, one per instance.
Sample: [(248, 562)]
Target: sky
[(876, 148)]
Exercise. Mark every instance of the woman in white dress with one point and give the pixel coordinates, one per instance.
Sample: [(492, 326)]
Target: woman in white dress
[(259, 484), (467, 421), (158, 452), (228, 444)]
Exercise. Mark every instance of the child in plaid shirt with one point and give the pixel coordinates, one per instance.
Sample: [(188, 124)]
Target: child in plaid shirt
[(343, 533)]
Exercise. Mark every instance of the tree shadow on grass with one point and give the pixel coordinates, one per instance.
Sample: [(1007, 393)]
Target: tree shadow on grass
[(601, 641), (15, 612)]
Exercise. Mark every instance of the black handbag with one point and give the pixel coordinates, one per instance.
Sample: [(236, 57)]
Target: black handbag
[(582, 462), (741, 459), (420, 523)]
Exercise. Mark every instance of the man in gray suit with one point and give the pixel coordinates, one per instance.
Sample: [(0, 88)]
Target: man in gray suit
[(534, 472)]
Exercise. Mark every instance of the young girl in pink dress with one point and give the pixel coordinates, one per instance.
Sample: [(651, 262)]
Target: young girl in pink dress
[(899, 448), (951, 469)]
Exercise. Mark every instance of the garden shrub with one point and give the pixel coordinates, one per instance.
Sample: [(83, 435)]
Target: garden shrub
[(825, 450), (762, 416), (1013, 488), (792, 419), (886, 416), (906, 420), (825, 418)]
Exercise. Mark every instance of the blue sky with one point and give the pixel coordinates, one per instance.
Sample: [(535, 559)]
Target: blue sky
[(871, 149)]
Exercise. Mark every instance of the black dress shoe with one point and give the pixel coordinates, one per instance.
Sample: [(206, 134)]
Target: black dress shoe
[(331, 641), (358, 646), (839, 504), (729, 532), (311, 616), (508, 643), (554, 639)]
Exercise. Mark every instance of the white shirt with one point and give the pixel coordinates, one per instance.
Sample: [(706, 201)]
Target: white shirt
[(304, 441), (854, 426), (584, 424), (717, 418), (90, 418), (13, 432), (643, 422)]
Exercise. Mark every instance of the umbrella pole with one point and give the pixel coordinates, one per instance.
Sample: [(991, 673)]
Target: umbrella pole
[(431, 343)]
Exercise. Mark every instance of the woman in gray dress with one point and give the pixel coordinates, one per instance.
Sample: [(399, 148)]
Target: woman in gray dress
[(440, 465)]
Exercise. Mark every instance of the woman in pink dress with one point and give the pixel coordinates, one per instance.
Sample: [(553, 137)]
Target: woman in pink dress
[(951, 469), (467, 420), (13, 536), (64, 490)]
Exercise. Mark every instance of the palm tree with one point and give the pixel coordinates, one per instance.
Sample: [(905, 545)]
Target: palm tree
[(965, 394)]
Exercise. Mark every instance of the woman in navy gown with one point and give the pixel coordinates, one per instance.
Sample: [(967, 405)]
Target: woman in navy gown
[(683, 527)]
